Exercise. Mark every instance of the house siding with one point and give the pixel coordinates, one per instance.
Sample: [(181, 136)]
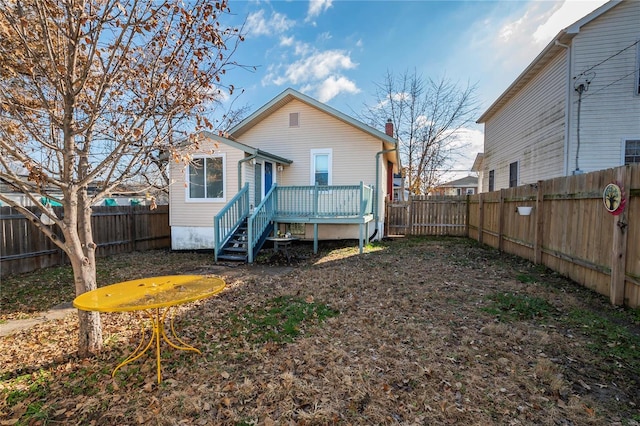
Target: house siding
[(538, 126), (529, 129), (610, 112), (353, 151), (200, 214)]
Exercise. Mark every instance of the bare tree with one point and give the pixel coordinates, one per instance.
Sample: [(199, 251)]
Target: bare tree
[(91, 89), (156, 175), (426, 115)]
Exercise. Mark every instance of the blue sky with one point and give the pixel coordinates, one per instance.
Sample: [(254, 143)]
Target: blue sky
[(336, 50)]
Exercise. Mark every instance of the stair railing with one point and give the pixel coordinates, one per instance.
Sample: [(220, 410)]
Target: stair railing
[(229, 218), (261, 218)]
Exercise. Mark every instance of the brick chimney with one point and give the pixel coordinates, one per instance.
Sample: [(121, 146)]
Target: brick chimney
[(388, 127)]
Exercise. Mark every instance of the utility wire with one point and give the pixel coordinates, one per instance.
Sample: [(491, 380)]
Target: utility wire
[(605, 60), (589, 94)]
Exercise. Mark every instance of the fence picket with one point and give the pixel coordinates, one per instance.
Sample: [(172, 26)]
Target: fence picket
[(120, 229), (568, 231)]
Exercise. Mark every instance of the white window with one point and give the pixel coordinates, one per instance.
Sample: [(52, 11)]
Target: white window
[(471, 191), (206, 179), (321, 167), (632, 151)]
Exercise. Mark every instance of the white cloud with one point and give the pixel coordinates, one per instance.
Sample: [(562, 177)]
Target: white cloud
[(287, 41), (316, 7), (566, 14), (258, 25), (318, 66), (319, 72), (333, 86)]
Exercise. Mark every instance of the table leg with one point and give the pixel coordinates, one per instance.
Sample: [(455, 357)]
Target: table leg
[(138, 352), (157, 333)]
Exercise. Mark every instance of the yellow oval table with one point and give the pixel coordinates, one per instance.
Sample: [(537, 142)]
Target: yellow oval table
[(155, 297)]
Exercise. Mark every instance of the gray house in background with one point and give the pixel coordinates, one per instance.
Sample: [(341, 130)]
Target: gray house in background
[(574, 109)]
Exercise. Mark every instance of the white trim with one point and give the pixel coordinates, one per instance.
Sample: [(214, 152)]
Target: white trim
[(187, 191), (312, 164), (623, 148), (636, 83)]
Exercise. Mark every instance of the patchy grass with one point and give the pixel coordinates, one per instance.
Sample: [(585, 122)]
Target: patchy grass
[(510, 307), (414, 331), (280, 320)]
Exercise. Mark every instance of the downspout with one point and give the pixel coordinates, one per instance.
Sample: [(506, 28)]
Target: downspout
[(567, 109), (244, 160), (375, 194)]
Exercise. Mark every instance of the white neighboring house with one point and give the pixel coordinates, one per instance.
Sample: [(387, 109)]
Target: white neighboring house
[(574, 109)]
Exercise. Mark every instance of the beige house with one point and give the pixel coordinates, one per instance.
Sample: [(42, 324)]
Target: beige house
[(296, 166), (467, 185), (574, 109)]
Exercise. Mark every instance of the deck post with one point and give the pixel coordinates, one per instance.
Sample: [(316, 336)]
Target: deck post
[(361, 240), (315, 238)]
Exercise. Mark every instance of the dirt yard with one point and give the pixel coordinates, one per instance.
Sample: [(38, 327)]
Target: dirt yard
[(413, 332)]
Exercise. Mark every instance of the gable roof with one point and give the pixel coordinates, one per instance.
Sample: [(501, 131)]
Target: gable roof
[(289, 95), (462, 182), (246, 148), (552, 49)]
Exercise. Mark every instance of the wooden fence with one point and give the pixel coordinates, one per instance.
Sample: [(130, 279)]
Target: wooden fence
[(569, 230), (427, 215), (120, 229)]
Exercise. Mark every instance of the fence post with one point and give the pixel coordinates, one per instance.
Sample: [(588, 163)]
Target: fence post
[(132, 227), (501, 221), (537, 253), (480, 216), (619, 246), (466, 221)]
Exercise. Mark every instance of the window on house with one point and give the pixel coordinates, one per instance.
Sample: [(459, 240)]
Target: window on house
[(471, 191), (321, 167), (638, 70), (513, 174), (294, 118), (492, 176), (632, 151), (206, 179)]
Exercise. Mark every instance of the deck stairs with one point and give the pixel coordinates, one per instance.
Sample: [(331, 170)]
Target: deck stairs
[(236, 248)]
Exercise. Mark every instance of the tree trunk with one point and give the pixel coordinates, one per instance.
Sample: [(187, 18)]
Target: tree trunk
[(81, 252)]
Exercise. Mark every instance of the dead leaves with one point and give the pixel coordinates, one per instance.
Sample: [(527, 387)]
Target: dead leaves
[(401, 351)]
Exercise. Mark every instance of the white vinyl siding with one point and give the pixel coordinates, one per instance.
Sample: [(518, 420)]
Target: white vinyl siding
[(529, 129), (357, 150), (605, 53), (200, 214), (353, 151)]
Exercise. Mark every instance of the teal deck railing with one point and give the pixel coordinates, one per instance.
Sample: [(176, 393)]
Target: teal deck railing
[(229, 218), (291, 203), (324, 201), (258, 222)]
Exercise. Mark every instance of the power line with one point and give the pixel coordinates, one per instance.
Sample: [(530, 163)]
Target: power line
[(605, 60), (589, 94)]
